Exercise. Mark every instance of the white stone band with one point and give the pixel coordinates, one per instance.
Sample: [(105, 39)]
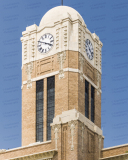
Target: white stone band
[(57, 72), (73, 114)]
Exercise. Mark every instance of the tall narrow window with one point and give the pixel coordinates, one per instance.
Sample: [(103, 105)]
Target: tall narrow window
[(86, 99), (39, 111), (92, 104), (50, 104)]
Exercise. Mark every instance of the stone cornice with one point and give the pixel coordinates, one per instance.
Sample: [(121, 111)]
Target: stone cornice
[(116, 157), (73, 114), (24, 147), (114, 147), (42, 155)]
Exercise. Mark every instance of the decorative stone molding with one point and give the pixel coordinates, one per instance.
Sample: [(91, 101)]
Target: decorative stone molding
[(100, 60), (28, 45), (89, 142), (61, 58), (98, 57), (25, 43), (80, 19), (65, 35), (33, 47), (84, 48), (81, 59), (57, 38), (65, 70), (116, 157), (29, 68), (56, 128), (99, 139), (79, 37), (68, 116), (44, 66), (98, 83), (48, 155), (82, 132), (72, 125)]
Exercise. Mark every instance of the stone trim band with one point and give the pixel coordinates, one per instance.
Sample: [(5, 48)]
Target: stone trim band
[(72, 115), (57, 72), (47, 155)]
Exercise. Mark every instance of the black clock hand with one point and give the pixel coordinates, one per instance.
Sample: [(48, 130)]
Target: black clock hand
[(49, 44), (45, 43), (41, 42), (90, 50)]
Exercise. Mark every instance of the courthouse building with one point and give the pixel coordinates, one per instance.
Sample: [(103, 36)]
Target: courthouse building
[(61, 92)]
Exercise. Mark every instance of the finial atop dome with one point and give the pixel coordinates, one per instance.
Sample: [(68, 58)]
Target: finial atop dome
[(61, 2)]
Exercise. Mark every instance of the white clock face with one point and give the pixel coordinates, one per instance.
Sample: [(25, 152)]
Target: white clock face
[(89, 49), (45, 43)]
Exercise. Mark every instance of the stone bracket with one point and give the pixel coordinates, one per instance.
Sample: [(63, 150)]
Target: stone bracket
[(56, 128), (81, 59), (72, 125), (61, 58), (29, 68)]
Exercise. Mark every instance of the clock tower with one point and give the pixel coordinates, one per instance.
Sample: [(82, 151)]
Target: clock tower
[(61, 87)]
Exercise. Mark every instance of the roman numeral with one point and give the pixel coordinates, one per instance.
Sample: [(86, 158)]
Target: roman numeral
[(39, 49), (42, 38)]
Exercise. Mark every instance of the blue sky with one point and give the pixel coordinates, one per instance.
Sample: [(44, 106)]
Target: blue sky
[(109, 20)]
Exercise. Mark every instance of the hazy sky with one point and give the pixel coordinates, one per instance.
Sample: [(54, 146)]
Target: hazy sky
[(109, 20)]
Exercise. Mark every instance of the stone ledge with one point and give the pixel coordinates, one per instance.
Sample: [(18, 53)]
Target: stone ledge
[(73, 114), (2, 150), (114, 147), (116, 157), (23, 147), (47, 155), (57, 72)]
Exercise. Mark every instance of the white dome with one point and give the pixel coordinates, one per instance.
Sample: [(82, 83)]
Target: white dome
[(60, 12)]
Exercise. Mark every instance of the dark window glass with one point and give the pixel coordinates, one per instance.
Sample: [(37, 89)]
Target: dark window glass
[(92, 104), (39, 111), (50, 104), (86, 99)]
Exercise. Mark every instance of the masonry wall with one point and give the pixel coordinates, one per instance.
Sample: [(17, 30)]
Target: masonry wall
[(112, 151), (18, 152), (28, 115), (69, 92)]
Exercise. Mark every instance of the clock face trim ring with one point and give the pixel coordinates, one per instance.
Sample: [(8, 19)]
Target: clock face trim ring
[(89, 49), (45, 43)]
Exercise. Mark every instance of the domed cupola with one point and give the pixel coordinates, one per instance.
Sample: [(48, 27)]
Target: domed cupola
[(59, 13)]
